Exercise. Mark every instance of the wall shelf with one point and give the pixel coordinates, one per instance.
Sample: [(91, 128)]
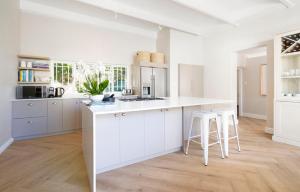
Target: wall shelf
[(21, 82), (34, 69), (33, 57)]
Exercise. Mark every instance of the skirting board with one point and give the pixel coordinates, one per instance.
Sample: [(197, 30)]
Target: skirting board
[(6, 145), (287, 141), (255, 116), (269, 130)]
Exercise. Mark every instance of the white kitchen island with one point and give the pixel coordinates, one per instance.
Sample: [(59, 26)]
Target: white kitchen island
[(129, 132)]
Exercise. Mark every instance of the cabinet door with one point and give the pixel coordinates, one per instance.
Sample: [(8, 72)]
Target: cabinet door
[(29, 126), (70, 114), (79, 121), (132, 136), (54, 116), (154, 132), (107, 141), (173, 128)]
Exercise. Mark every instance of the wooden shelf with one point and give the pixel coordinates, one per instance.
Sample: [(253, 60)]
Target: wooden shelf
[(33, 57), (21, 82), (34, 69)]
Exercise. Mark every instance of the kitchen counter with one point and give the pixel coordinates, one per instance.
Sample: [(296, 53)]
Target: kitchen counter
[(54, 98), (127, 132), (169, 102)]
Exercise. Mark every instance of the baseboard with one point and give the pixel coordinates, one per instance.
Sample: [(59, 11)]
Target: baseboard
[(287, 141), (269, 130), (255, 116), (6, 145)]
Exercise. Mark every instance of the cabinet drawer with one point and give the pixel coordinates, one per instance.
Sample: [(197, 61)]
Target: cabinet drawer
[(23, 109), (29, 126)]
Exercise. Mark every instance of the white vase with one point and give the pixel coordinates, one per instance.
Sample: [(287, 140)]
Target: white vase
[(97, 97)]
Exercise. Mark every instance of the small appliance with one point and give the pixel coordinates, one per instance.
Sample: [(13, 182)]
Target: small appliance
[(59, 91), (31, 92), (51, 92)]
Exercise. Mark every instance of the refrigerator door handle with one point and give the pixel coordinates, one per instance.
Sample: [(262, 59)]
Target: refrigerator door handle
[(153, 86)]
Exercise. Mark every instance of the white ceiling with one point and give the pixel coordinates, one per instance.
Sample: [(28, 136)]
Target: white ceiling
[(144, 16)]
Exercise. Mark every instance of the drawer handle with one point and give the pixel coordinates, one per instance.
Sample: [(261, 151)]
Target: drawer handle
[(54, 103), (116, 115), (123, 114), (30, 104), (29, 122)]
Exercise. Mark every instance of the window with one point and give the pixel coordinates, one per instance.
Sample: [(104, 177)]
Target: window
[(117, 76), (63, 74)]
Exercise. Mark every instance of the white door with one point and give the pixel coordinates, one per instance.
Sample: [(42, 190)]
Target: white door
[(70, 114), (54, 116), (107, 141), (173, 128), (154, 132), (132, 136)]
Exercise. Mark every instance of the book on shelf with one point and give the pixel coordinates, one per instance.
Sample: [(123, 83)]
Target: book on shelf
[(25, 76)]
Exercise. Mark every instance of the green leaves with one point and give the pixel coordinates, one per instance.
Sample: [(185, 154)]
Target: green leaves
[(93, 85)]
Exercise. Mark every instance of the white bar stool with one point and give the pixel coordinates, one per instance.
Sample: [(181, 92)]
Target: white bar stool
[(223, 117), (205, 119)]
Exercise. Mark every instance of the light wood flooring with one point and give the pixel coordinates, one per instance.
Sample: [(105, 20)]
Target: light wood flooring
[(50, 164), (262, 165), (55, 164)]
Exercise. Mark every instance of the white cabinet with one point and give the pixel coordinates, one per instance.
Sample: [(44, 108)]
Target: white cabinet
[(173, 128), (107, 141), (55, 116), (71, 114), (132, 136), (154, 132), (287, 123)]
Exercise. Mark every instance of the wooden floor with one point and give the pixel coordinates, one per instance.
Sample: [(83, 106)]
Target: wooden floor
[(50, 164), (262, 165), (55, 164)]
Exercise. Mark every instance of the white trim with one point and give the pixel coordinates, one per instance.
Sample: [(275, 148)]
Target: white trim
[(255, 116), (40, 9), (5, 145), (269, 130), (287, 141)]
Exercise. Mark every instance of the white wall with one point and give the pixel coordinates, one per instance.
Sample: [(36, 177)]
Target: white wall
[(68, 40), (220, 56), (9, 44), (253, 103), (184, 49)]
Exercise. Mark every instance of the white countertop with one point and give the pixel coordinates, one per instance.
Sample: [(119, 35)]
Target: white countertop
[(54, 98), (122, 107)]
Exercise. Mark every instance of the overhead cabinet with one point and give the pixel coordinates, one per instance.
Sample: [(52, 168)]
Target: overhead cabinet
[(32, 118)]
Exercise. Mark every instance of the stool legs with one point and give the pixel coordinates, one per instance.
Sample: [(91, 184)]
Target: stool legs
[(225, 133), (219, 137), (236, 133), (205, 124), (189, 137)]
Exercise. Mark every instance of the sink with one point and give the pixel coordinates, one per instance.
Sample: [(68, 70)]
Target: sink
[(142, 99)]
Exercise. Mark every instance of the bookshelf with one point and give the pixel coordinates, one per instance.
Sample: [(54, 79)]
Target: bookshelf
[(33, 70)]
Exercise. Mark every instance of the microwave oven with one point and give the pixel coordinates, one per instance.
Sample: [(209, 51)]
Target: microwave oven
[(31, 92)]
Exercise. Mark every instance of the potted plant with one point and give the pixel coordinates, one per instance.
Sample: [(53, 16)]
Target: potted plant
[(94, 87)]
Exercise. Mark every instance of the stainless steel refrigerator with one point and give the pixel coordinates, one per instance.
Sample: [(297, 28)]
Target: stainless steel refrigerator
[(150, 82)]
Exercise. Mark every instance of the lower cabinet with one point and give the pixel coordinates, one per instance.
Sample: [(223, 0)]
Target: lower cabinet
[(132, 136), (107, 140), (125, 137), (55, 120), (29, 126), (173, 128), (32, 118), (71, 114), (287, 122), (154, 132)]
